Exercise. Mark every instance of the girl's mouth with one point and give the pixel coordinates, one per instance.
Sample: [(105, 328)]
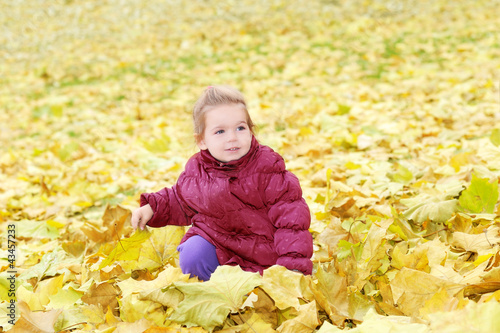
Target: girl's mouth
[(233, 149)]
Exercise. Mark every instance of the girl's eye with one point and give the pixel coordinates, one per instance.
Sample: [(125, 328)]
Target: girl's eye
[(219, 132), (241, 128)]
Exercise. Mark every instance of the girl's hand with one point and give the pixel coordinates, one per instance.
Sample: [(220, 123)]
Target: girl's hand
[(141, 216)]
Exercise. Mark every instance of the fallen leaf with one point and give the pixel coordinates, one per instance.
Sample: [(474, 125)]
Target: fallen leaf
[(102, 294), (481, 196), (483, 317), (253, 324), (39, 322), (332, 293), (285, 287), (432, 209), (478, 243), (132, 309), (305, 322), (207, 304), (412, 288)]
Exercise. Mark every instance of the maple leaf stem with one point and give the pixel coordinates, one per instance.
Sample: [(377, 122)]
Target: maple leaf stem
[(350, 227), (435, 232), (118, 236), (486, 235), (64, 329), (243, 320)]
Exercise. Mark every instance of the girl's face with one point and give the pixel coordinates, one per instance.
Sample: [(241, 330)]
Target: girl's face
[(227, 135)]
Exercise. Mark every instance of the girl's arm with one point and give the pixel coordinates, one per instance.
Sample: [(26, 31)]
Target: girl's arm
[(290, 214), (167, 208)]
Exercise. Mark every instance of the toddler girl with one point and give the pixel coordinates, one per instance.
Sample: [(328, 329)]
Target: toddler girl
[(243, 206)]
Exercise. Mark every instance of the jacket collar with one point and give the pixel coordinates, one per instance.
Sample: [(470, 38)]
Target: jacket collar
[(212, 163)]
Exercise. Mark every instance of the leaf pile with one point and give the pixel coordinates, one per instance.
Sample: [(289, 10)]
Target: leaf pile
[(388, 112)]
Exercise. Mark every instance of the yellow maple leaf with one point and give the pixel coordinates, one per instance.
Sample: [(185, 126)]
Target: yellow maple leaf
[(412, 288), (305, 322), (207, 304), (285, 287)]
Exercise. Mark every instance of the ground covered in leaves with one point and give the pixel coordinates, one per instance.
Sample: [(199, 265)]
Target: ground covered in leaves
[(387, 111)]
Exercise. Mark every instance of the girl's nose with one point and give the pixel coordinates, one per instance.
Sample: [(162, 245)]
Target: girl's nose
[(232, 136)]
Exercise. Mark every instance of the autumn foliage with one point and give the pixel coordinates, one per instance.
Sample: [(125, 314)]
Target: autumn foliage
[(387, 111)]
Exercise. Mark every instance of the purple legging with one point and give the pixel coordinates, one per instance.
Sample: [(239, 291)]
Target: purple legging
[(197, 257)]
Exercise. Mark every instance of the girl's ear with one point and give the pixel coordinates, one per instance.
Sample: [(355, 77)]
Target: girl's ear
[(200, 142), (202, 145)]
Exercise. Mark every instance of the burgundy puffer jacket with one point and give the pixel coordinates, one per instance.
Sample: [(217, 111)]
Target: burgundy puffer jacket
[(251, 209)]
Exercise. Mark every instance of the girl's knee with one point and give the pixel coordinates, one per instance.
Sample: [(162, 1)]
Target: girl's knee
[(198, 257)]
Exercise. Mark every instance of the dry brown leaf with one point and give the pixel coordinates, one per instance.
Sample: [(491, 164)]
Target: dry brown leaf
[(102, 294)]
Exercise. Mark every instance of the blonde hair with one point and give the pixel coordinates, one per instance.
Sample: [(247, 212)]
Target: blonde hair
[(214, 96)]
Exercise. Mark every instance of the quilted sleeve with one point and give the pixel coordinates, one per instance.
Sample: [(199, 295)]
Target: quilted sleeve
[(168, 207), (290, 214)]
